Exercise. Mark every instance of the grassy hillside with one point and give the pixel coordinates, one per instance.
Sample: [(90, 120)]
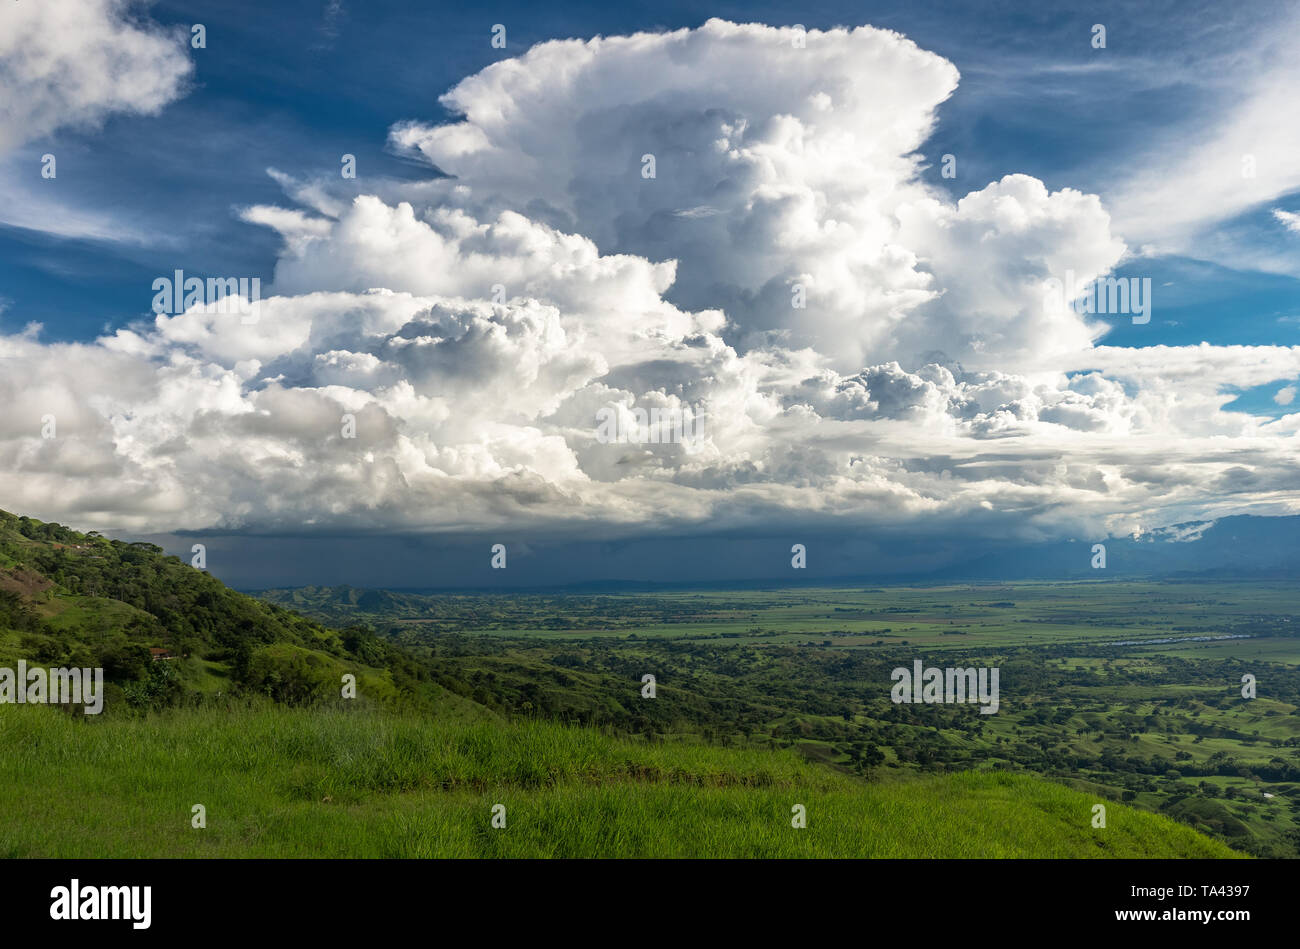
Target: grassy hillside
[(1131, 690), (284, 782), (246, 718), (73, 599)]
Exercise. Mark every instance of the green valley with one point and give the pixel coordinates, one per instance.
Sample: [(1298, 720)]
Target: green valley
[(764, 702)]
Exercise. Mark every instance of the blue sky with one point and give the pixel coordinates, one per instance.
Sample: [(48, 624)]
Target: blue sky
[(1156, 125), (295, 84)]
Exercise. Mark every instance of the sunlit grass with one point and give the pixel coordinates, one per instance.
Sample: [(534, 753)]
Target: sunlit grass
[(297, 783)]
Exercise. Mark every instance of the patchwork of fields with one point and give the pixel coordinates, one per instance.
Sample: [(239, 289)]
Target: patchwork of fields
[(680, 722), (1129, 691)]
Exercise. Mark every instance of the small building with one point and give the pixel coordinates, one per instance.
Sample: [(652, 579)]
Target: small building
[(157, 652)]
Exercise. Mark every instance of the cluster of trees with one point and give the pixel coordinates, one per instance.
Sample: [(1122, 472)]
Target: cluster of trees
[(128, 597), (1056, 719)]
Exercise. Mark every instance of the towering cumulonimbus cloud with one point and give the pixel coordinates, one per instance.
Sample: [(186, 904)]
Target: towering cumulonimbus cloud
[(782, 158), (857, 348)]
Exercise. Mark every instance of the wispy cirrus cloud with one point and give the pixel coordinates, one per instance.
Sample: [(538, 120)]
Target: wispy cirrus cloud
[(1234, 154), (70, 64)]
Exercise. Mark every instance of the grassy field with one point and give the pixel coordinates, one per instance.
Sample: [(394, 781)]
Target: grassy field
[(332, 783), (1026, 613), (1129, 687)]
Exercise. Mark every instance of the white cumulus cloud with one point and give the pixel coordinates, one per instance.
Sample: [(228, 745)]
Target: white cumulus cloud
[(469, 330)]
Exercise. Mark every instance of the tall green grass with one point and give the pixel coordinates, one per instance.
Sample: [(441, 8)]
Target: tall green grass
[(281, 782)]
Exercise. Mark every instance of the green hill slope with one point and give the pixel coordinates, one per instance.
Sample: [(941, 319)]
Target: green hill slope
[(247, 720), (69, 599), (286, 782)]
